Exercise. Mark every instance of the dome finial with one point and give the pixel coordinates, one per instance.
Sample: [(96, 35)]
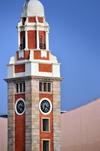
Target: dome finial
[(32, 8)]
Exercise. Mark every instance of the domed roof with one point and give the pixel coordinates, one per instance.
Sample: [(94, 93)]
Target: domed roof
[(32, 8)]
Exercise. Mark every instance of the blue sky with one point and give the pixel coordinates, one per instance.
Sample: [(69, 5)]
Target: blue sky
[(74, 39)]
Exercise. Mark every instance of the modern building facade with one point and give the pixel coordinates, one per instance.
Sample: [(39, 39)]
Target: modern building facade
[(34, 122)]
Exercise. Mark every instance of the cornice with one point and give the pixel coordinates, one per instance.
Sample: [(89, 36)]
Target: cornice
[(27, 78)]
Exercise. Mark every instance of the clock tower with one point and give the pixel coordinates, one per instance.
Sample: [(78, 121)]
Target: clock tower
[(33, 86)]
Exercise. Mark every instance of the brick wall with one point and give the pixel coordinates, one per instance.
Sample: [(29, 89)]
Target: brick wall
[(19, 128), (32, 39), (45, 67), (37, 55), (40, 19), (26, 55), (31, 19), (46, 135), (19, 68)]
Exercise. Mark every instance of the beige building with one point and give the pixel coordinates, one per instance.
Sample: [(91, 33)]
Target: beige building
[(3, 133), (81, 128)]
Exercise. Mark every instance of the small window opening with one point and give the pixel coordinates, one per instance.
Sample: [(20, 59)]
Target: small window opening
[(23, 20), (45, 145), (40, 42), (23, 87), (20, 87), (45, 87), (45, 125), (40, 86), (17, 88), (49, 87)]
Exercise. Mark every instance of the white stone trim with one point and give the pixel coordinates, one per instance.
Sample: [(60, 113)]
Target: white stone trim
[(46, 74), (56, 70), (47, 40), (10, 71), (44, 54), (21, 54), (18, 40), (37, 39), (20, 74), (26, 40)]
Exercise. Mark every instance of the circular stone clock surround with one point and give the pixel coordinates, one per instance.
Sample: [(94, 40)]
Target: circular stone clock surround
[(20, 106), (45, 106)]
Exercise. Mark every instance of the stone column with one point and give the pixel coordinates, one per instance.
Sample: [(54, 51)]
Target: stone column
[(32, 115), (56, 116), (28, 116), (37, 40), (47, 40), (26, 40), (35, 115), (11, 117), (18, 40)]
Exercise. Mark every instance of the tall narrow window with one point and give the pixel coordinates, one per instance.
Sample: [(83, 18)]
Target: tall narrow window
[(45, 125), (20, 87), (45, 145), (45, 87), (40, 42), (17, 88), (23, 87), (40, 86), (49, 87), (23, 42), (23, 21)]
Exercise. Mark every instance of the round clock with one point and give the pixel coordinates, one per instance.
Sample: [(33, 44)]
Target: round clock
[(45, 106), (20, 106)]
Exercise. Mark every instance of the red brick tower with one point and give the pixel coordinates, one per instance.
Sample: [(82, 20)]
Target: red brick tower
[(33, 86)]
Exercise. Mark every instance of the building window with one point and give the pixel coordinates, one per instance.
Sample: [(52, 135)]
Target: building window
[(20, 87), (22, 40), (45, 145), (41, 44), (49, 87), (23, 20), (17, 88), (44, 86), (40, 86), (45, 125)]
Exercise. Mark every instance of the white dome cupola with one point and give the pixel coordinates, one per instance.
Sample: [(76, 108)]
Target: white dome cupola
[(33, 8)]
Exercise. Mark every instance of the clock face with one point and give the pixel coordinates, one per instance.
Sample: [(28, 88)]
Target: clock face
[(45, 106), (20, 106)]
